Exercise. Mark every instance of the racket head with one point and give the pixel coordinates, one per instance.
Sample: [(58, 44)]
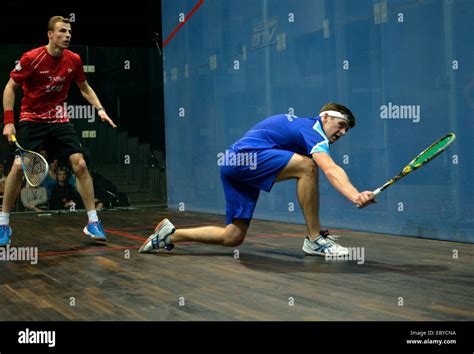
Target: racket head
[(35, 168), (432, 151), (34, 165), (423, 158)]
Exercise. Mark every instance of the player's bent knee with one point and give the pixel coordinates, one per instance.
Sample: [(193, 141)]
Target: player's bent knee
[(235, 234), (79, 166), (234, 240)]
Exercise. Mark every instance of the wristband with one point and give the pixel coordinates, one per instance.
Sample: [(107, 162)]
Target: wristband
[(8, 117)]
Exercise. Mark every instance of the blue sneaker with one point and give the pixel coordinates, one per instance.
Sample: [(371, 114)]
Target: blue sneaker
[(95, 231), (5, 234)]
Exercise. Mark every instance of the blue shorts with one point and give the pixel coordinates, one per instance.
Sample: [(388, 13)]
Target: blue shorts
[(247, 174)]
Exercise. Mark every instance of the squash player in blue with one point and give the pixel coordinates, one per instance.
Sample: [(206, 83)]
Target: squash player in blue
[(278, 148)]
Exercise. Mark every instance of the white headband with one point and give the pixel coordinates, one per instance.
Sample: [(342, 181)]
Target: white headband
[(335, 114)]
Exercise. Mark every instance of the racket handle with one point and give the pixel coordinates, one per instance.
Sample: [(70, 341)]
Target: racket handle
[(13, 138), (377, 192)]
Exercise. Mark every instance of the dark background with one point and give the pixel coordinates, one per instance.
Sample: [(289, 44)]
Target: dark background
[(104, 23), (105, 34)]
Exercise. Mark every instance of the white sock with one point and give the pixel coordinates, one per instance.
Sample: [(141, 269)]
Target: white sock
[(92, 215), (4, 218)]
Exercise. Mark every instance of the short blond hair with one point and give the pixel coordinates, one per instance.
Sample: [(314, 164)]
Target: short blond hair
[(55, 19)]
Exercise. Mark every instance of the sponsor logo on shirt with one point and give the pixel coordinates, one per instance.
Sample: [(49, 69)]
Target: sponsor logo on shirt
[(44, 72), (57, 88), (57, 78), (54, 80)]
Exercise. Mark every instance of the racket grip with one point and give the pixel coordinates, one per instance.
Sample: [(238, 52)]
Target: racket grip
[(13, 138), (377, 192)]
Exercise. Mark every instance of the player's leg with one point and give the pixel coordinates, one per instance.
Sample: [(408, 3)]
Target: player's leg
[(12, 186), (166, 235), (305, 170), (232, 235), (69, 146), (85, 187), (306, 173), (12, 189), (241, 201), (30, 136)]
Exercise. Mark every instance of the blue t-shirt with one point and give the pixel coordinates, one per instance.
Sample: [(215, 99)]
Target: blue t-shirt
[(304, 136)]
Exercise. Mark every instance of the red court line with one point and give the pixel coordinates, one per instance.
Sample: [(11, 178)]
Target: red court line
[(182, 23), (134, 237), (126, 234), (277, 236), (129, 228), (183, 225), (152, 227)]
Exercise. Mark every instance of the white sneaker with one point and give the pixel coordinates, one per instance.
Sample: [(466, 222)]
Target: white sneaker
[(160, 238), (324, 245)]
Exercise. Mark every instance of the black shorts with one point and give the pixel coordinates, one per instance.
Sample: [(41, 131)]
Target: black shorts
[(59, 139)]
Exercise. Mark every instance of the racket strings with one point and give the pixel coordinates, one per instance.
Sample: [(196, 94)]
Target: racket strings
[(433, 151), (35, 168)]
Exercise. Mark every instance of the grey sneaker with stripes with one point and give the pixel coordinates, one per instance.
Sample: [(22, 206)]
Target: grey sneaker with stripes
[(160, 238), (323, 245)]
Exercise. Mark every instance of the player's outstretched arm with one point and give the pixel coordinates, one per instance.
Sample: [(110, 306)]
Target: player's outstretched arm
[(89, 94), (8, 103), (340, 181)]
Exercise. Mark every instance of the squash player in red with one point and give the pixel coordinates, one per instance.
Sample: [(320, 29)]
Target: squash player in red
[(45, 75)]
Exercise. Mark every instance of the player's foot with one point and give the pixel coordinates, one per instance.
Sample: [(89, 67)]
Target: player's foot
[(5, 234), (160, 238), (324, 245), (95, 231)]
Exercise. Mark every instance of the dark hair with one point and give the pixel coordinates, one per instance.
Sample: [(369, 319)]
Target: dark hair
[(340, 108), (55, 19), (62, 169)]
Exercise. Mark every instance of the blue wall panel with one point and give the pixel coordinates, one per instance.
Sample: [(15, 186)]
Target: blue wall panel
[(301, 65)]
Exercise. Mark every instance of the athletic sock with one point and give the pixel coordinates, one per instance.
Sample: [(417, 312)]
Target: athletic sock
[(324, 233), (4, 218), (92, 215)]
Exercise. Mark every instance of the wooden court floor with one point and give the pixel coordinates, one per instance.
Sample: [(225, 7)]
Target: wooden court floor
[(266, 278)]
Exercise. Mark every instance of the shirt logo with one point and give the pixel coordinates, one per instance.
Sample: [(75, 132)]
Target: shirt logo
[(18, 67), (44, 72)]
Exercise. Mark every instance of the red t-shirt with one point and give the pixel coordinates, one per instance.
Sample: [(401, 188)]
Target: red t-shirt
[(45, 82)]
